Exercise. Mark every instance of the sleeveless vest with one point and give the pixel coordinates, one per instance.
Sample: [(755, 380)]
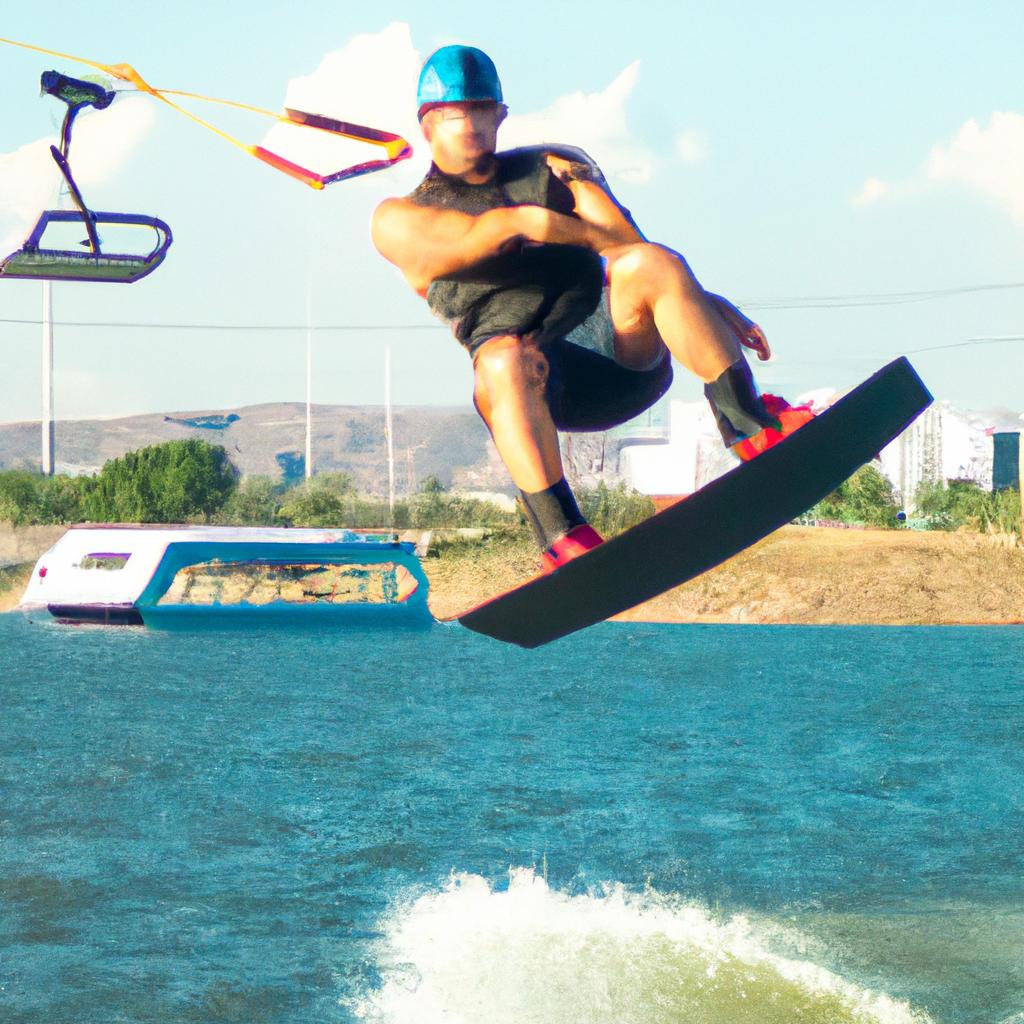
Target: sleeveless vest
[(545, 290)]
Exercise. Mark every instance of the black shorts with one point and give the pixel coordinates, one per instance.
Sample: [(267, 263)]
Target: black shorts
[(589, 391)]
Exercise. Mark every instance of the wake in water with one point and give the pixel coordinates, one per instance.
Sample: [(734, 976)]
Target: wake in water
[(530, 954)]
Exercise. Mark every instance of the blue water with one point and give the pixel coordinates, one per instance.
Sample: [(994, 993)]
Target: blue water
[(640, 823)]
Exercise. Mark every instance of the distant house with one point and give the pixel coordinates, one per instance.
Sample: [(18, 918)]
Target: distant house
[(686, 453), (1006, 460)]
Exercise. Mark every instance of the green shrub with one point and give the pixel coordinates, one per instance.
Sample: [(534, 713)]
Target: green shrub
[(337, 483), (962, 503), (610, 510), (62, 498), (18, 496), (27, 497), (313, 507), (866, 498), (255, 502)]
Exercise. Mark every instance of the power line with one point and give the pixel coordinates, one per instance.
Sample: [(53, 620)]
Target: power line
[(969, 343), (233, 327), (804, 302), (874, 298)]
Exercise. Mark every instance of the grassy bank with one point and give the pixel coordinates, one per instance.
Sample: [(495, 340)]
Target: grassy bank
[(13, 581), (798, 575)]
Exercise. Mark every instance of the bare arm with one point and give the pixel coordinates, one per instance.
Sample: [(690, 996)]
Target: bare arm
[(595, 204), (426, 242)]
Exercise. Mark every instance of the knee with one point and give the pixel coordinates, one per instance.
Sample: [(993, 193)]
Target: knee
[(655, 265), (507, 365)]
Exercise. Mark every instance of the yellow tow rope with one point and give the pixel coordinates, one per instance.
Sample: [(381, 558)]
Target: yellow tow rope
[(396, 147)]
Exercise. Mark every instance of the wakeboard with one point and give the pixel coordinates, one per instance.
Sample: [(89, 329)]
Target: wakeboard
[(713, 524)]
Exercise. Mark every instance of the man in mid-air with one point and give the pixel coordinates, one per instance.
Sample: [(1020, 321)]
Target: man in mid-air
[(526, 252)]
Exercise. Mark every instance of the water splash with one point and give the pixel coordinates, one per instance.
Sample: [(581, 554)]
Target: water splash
[(530, 954)]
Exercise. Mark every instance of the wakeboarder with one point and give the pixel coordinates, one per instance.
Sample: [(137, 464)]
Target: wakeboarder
[(526, 253)]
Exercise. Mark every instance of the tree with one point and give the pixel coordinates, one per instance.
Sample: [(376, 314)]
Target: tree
[(172, 482), (255, 503), (431, 485), (867, 497)]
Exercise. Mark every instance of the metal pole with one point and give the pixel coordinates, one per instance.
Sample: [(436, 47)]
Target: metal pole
[(47, 423), (388, 434), (1020, 479), (309, 382)]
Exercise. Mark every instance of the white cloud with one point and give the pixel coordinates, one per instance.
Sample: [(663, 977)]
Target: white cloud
[(871, 191), (373, 77), (596, 122), (28, 178), (101, 143), (989, 160), (370, 81), (103, 140), (819, 399), (691, 147)]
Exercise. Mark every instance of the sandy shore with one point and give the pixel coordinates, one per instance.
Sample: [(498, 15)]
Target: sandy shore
[(797, 575)]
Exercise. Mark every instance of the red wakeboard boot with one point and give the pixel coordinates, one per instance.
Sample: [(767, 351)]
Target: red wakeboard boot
[(749, 422), (578, 541), (790, 417)]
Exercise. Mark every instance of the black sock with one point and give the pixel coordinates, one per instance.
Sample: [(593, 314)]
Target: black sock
[(739, 411), (552, 512)]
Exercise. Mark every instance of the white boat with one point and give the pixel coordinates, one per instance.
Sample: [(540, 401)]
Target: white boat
[(194, 576)]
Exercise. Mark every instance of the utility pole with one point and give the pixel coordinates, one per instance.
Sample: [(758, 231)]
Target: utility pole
[(47, 424), (389, 436), (309, 381)]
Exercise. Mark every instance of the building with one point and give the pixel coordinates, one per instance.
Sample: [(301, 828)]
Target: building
[(1007, 465), (677, 457), (682, 451), (942, 444)]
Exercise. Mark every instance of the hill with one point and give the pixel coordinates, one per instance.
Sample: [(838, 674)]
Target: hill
[(270, 440), (449, 443)]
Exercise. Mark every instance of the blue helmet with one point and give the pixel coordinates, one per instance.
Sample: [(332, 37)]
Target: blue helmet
[(457, 74)]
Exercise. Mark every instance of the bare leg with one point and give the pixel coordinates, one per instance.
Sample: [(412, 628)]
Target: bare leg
[(510, 377), (656, 301)]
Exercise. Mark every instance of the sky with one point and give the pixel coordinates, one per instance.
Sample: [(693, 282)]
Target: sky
[(851, 174)]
